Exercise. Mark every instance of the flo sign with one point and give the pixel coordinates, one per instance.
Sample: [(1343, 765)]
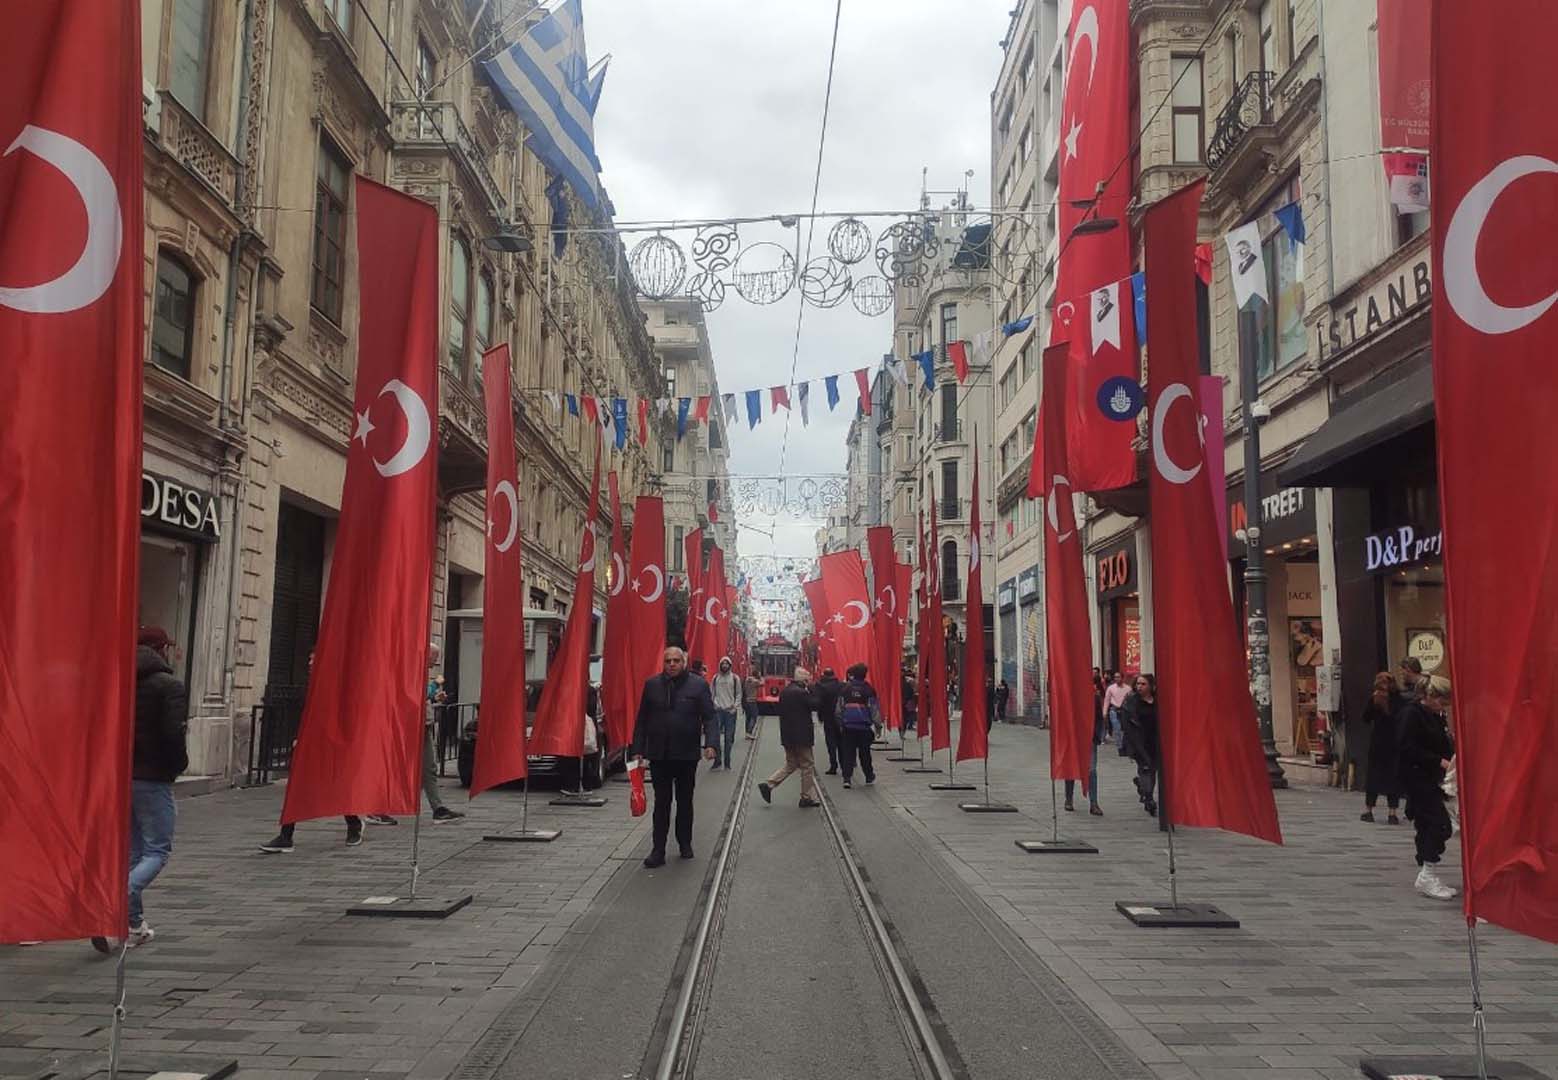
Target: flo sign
[(1398, 547), (170, 506)]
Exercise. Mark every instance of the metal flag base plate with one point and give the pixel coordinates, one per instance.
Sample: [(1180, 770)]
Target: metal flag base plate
[(1443, 1068), (952, 785), (1057, 847), (987, 808), (899, 757), (405, 907), (143, 1067), (577, 799), (531, 836), (1166, 915), (922, 768)]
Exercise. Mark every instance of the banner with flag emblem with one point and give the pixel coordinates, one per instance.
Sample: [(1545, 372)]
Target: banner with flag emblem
[(886, 667), (1103, 395), (849, 624), (617, 692), (646, 614)]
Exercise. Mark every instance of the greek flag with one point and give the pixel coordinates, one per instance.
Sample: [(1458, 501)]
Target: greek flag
[(546, 80)]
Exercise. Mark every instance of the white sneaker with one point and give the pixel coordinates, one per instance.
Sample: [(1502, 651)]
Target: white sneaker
[(140, 935), (1429, 885)]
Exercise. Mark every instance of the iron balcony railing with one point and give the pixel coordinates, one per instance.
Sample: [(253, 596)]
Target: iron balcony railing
[(951, 508), (949, 431), (1250, 107)]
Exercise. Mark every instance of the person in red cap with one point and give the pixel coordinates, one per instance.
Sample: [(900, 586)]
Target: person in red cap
[(161, 720)]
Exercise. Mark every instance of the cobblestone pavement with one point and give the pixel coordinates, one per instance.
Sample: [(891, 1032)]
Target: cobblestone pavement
[(254, 958), (1338, 957)]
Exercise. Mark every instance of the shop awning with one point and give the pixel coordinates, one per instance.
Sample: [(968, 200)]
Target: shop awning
[(1338, 453)]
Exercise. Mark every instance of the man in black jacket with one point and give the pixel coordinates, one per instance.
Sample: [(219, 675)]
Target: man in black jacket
[(1426, 750), (161, 717), (675, 723), (796, 704), (828, 690)]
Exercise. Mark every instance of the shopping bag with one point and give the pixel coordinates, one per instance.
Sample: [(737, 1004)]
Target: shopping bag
[(637, 803)]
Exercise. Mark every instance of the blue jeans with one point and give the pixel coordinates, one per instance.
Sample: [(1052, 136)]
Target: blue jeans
[(151, 837), (751, 711), (727, 733), (1115, 729), (1092, 780)]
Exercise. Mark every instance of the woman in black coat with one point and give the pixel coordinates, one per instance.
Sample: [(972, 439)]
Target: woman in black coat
[(1141, 734), (1426, 749), (1380, 716)]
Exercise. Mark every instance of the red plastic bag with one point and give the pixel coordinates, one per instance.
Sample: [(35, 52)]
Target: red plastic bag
[(637, 803)]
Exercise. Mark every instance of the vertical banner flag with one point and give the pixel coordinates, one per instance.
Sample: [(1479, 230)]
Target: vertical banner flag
[(886, 670), (619, 416), (1211, 402), (1403, 74), (711, 613), (1095, 138), (692, 549), (905, 589), (559, 723), (683, 407), (500, 752), (646, 613), (1247, 263), (831, 386), (863, 385), (844, 586), (71, 257), (1065, 587), (1104, 396), (1214, 770), (643, 422), (618, 694), (822, 619), (957, 352), (1495, 331), (359, 748), (973, 735), (754, 408), (940, 711)]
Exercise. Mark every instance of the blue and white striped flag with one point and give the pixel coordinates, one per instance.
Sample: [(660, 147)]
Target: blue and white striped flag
[(545, 78)]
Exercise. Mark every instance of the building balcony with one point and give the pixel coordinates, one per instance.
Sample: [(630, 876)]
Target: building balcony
[(427, 125), (192, 145), (950, 508), (1248, 114), (949, 431)]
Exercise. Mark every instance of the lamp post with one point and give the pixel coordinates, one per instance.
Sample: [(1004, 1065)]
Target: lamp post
[(1259, 634)]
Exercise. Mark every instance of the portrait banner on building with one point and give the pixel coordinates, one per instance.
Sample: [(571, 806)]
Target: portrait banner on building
[(1103, 392)]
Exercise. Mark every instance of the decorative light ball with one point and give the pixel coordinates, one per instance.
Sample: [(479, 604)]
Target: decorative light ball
[(849, 241), (658, 266), (715, 247), (764, 273), (825, 282), (872, 295)]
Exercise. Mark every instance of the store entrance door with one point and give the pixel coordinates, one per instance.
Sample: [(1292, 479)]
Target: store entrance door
[(169, 580)]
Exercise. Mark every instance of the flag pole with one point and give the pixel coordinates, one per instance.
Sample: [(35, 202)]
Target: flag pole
[(416, 848), (1054, 810), (1479, 1021), (119, 1011)]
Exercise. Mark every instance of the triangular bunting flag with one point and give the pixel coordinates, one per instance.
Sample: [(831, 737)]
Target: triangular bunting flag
[(803, 391), (863, 384), (729, 401), (831, 386), (683, 406), (927, 362), (700, 409), (777, 396), (754, 408), (957, 352)]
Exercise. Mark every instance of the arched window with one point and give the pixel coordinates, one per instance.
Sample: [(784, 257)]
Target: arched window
[(950, 589), (173, 315), (459, 304)]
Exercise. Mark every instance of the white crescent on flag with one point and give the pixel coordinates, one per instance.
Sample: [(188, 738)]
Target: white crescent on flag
[(659, 584), (865, 614)]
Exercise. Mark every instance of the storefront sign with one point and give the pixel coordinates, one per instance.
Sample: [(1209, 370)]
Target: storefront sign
[(1428, 647), (1117, 568), (1400, 547), (1028, 585), (170, 506), (1131, 654), (1377, 310), (1286, 515), (1006, 595)]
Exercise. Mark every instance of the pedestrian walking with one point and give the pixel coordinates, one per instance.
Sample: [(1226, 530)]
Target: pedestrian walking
[(675, 724), (1141, 734), (1426, 751), (1003, 696), (750, 688), (726, 687), (1100, 734), (797, 703), (160, 756), (828, 690), (1411, 678), (989, 704), (435, 697), (1114, 706), (860, 717), (282, 844), (1380, 718), (911, 703)]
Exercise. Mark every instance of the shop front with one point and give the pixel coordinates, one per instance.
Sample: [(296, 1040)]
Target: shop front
[(1028, 692), (1289, 539), (1119, 605)]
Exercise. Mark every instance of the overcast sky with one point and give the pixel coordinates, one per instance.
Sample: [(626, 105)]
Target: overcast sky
[(712, 108)]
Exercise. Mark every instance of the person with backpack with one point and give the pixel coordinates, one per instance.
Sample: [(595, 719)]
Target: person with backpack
[(860, 717)]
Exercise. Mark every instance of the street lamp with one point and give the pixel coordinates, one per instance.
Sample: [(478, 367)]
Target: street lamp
[(508, 240), (1259, 633)]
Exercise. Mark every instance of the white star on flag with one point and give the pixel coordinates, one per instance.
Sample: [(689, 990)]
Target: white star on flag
[(1071, 139), (364, 426)]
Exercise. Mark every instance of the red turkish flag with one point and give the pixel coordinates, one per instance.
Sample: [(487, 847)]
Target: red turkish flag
[(844, 584), (1065, 587), (973, 736), (921, 617), (1214, 770), (643, 422), (937, 708), (71, 258), (1495, 331), (646, 614), (359, 748), (500, 750), (957, 353), (1403, 73), (822, 619), (559, 723), (1098, 430), (886, 630), (711, 614), (1095, 147), (692, 548), (618, 694)]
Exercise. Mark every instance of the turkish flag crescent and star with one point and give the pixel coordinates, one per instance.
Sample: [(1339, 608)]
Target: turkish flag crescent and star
[(922, 613), (1101, 422), (1095, 145), (646, 614), (712, 624), (618, 693), (559, 723), (359, 747), (1495, 333), (1065, 589), (886, 665), (822, 619), (973, 735), (938, 707), (844, 585), (70, 461), (500, 752), (1213, 768), (692, 547)]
